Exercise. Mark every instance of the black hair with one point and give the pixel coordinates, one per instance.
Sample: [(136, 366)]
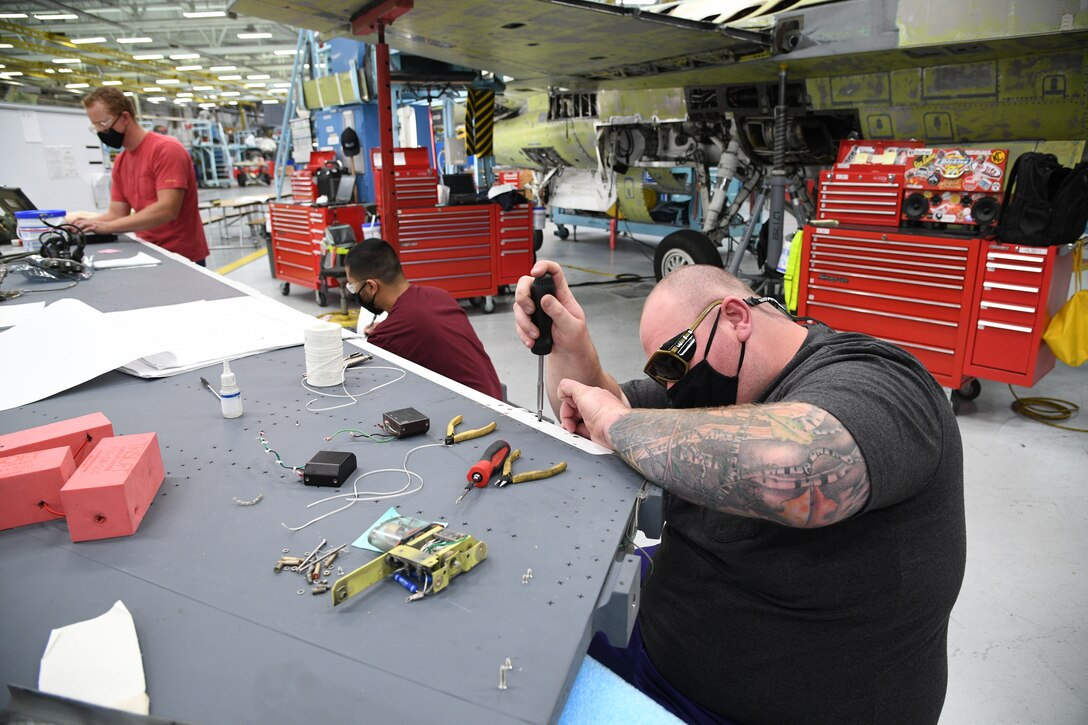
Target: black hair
[(374, 259)]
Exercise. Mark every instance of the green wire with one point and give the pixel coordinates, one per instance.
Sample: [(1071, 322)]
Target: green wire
[(360, 434)]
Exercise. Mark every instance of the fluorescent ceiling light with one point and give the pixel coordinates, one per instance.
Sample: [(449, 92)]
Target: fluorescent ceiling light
[(259, 77), (12, 16), (56, 16), (207, 105), (50, 70), (184, 56), (12, 73), (285, 84), (167, 81), (230, 78), (153, 89), (78, 85), (222, 68), (203, 88), (278, 90), (188, 67), (64, 70), (270, 101), (11, 82), (253, 36), (182, 101), (6, 45), (111, 83), (230, 93), (232, 103), (148, 56), (81, 41), (256, 85), (67, 60), (284, 52), (77, 92), (156, 99), (184, 94), (130, 94), (133, 40), (206, 14)]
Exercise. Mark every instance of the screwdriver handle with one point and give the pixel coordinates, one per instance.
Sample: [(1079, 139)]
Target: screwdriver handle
[(542, 285), (493, 458)]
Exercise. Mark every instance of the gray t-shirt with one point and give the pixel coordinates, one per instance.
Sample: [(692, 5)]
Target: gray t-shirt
[(764, 623)]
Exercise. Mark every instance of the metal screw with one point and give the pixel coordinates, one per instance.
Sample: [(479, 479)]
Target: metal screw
[(286, 551), (527, 576), (503, 668)]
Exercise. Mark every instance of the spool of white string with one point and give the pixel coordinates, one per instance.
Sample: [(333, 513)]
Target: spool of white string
[(324, 355)]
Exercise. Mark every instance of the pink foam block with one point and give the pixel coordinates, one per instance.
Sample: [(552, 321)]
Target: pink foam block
[(81, 434), (110, 492), (30, 479)]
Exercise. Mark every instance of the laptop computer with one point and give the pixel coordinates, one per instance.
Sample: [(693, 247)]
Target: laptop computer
[(462, 189)]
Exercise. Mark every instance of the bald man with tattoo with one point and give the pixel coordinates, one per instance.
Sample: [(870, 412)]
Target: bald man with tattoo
[(814, 542)]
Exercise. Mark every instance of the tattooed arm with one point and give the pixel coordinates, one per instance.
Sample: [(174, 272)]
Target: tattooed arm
[(792, 463)]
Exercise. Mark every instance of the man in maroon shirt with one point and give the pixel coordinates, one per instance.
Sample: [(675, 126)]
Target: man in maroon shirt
[(425, 324), (153, 190)]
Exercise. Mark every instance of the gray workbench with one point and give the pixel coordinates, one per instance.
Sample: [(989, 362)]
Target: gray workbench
[(226, 640)]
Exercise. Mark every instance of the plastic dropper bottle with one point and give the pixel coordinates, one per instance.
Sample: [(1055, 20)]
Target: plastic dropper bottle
[(229, 395)]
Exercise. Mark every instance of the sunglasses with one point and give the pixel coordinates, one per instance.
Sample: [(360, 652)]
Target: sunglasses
[(670, 362)]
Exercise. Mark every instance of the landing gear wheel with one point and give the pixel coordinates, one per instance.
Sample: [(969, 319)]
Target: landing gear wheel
[(684, 247), (285, 289), (562, 232)]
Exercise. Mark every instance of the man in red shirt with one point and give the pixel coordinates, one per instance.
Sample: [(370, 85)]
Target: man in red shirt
[(425, 324), (154, 190)]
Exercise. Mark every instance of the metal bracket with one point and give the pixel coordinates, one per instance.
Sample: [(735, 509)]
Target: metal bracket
[(651, 511), (617, 605)]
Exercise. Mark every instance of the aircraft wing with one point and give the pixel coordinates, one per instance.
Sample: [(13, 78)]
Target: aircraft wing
[(577, 43)]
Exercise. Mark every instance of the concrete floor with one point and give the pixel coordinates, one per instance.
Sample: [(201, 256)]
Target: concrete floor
[(1018, 639)]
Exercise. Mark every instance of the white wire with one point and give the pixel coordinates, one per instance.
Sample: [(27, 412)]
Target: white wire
[(354, 497), (344, 385)]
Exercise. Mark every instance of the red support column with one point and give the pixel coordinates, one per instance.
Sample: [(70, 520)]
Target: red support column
[(612, 233)]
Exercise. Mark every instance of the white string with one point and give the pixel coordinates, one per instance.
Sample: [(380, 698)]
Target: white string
[(344, 386), (324, 354), (356, 495)]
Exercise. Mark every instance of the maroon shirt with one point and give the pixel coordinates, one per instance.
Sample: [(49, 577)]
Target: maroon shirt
[(428, 327)]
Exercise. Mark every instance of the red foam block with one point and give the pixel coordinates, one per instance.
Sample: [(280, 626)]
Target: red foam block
[(27, 480), (73, 433), (111, 491)]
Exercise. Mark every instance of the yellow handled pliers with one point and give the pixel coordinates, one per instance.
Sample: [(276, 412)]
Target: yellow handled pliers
[(465, 435), (508, 476)]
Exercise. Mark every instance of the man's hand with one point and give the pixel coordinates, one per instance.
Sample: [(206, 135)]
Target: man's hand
[(93, 225), (569, 333), (588, 411)]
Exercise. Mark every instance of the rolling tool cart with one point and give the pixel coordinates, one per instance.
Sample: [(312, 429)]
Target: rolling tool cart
[(298, 244)]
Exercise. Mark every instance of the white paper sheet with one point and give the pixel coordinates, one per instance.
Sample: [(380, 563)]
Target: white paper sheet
[(97, 661), (61, 346), (140, 259), (12, 314)]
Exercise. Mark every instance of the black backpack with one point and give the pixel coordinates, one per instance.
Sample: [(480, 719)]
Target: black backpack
[(1045, 203)]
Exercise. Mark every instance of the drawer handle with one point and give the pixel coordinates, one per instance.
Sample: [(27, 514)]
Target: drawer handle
[(983, 324), (1002, 306), (1009, 287), (816, 303), (991, 266)]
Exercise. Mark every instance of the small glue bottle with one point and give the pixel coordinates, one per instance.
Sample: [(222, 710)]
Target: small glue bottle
[(229, 395)]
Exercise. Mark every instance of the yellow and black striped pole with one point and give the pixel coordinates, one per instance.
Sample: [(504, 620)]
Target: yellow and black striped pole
[(480, 122)]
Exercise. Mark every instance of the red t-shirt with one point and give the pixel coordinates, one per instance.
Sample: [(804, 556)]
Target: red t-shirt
[(428, 327), (161, 162)]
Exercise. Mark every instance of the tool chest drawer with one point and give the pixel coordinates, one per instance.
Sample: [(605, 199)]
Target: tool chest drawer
[(1019, 289), (298, 238), (860, 197), (448, 247), (514, 232), (911, 290)]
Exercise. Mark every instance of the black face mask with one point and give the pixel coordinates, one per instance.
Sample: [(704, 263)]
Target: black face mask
[(368, 306), (705, 387), (112, 138)]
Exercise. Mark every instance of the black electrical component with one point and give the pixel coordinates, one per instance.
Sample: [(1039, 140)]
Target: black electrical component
[(329, 468), (405, 422)]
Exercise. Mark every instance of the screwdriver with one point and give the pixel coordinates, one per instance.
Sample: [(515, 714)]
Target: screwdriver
[(542, 285), (481, 471)]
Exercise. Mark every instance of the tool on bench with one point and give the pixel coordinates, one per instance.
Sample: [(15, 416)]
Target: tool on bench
[(482, 471), (465, 435), (509, 477), (542, 285)]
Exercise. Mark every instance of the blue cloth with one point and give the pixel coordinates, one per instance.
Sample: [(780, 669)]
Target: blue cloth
[(600, 697)]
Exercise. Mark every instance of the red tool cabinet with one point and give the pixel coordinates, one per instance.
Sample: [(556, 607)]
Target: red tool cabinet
[(966, 308), (298, 242), (1019, 289)]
